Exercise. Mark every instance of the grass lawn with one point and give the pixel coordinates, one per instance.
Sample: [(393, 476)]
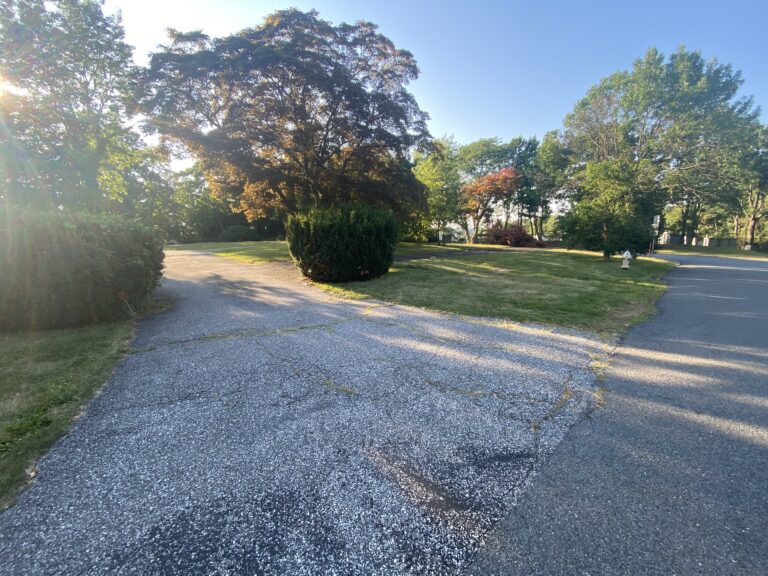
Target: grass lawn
[(550, 286), (45, 379), (721, 252), (577, 289), (416, 249), (251, 252), (277, 251)]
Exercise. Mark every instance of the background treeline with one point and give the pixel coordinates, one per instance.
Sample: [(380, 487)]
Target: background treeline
[(671, 137), (297, 114)]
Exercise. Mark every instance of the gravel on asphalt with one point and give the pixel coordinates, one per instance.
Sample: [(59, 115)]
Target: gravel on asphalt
[(261, 426)]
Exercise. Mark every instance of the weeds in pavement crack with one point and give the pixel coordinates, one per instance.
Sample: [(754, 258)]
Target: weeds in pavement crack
[(332, 386)]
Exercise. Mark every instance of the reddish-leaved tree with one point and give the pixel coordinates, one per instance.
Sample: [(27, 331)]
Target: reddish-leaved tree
[(483, 194)]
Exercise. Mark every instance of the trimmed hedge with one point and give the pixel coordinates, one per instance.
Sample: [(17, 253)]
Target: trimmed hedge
[(343, 244), (62, 269)]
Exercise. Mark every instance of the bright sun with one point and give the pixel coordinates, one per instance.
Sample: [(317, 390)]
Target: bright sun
[(8, 88)]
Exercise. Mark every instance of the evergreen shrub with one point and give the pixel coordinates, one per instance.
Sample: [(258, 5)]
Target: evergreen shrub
[(353, 242)]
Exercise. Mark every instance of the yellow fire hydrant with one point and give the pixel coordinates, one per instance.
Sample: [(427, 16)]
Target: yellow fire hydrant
[(625, 262)]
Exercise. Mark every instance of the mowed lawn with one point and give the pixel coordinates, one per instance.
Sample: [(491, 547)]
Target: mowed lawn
[(45, 380), (252, 252), (550, 286), (575, 289), (277, 250)]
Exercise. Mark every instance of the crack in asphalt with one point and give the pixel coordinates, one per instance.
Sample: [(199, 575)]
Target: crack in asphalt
[(247, 432)]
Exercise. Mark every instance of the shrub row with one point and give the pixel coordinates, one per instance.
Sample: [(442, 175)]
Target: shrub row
[(516, 236), (63, 269), (259, 229), (238, 233), (343, 244)]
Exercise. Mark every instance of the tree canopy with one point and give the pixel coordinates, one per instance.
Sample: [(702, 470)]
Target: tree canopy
[(298, 113), (484, 193), (439, 173), (665, 133), (292, 114), (64, 139)]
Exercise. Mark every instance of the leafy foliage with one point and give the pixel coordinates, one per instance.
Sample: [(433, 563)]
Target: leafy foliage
[(753, 184), (546, 180), (293, 114), (439, 173), (614, 212), (353, 242), (482, 194), (667, 132), (238, 233), (74, 269), (515, 236), (66, 139), (485, 156)]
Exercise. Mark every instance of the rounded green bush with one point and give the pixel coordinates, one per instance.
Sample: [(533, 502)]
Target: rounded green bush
[(343, 244), (63, 269)]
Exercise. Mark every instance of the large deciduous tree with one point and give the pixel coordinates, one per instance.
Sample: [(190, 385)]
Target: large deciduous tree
[(550, 175), (665, 133), (485, 156), (523, 200), (64, 139), (706, 124), (614, 207), (449, 166), (292, 114), (753, 183)]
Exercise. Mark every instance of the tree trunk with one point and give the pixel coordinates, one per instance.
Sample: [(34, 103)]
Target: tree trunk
[(695, 216), (752, 224), (684, 223), (465, 227), (756, 207)]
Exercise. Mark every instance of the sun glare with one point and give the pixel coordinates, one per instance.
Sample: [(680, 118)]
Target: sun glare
[(8, 88)]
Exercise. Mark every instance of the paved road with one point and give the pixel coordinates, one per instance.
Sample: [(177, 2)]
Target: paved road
[(260, 426), (671, 477)]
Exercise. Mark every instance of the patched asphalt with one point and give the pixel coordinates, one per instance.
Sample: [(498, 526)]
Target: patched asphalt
[(261, 426), (671, 477)]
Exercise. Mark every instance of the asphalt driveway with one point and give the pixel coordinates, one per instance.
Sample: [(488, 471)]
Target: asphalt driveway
[(672, 476), (259, 426)]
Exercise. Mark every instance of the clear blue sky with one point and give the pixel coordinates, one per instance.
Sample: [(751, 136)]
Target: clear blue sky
[(495, 68)]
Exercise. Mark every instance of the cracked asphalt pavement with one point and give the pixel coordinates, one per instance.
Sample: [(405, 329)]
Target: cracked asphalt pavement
[(261, 426)]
